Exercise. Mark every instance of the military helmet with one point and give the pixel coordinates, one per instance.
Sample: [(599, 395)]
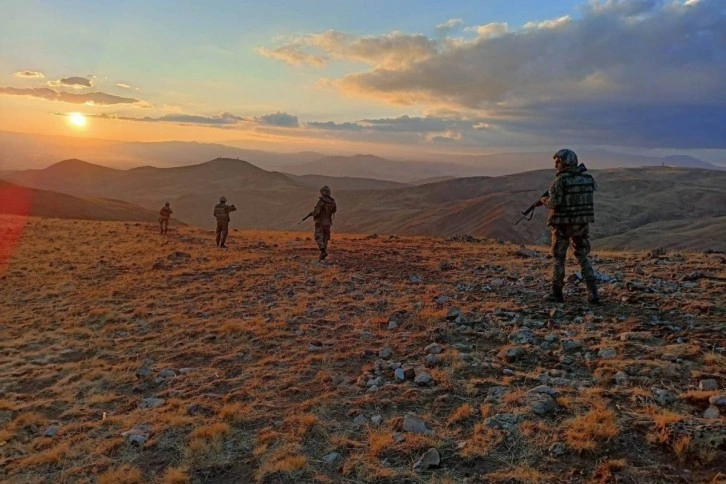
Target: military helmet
[(222, 199), (166, 204), (325, 190), (567, 157)]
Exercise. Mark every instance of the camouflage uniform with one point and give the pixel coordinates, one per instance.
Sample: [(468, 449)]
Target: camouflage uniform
[(570, 200), (164, 213), (221, 213), (323, 216)]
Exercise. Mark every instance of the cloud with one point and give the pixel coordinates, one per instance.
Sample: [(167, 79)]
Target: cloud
[(449, 25), (90, 98), (278, 119), (293, 56), (123, 85), (73, 81), (597, 72), (30, 75), (392, 50), (223, 119)]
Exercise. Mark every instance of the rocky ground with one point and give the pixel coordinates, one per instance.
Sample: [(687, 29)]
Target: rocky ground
[(127, 356)]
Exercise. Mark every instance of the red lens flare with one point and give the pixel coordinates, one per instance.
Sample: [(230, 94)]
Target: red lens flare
[(14, 211)]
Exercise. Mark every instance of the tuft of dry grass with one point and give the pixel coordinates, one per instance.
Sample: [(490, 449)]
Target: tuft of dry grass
[(583, 432)]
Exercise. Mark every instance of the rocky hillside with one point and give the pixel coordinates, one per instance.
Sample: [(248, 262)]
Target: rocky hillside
[(128, 356)]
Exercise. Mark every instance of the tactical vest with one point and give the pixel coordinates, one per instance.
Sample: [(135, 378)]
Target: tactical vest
[(577, 205), (220, 212), (325, 215)]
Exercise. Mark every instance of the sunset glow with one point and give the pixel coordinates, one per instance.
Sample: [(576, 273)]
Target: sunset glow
[(77, 119), (381, 77)]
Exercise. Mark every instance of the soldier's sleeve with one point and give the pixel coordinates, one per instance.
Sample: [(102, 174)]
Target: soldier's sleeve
[(555, 191), (231, 208)]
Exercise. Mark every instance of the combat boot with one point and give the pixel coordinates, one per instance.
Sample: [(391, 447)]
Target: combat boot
[(323, 254), (556, 295), (218, 240), (592, 296)]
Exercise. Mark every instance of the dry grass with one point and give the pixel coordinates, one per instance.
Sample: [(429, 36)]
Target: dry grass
[(252, 400)]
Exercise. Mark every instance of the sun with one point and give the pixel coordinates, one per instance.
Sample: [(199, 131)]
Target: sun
[(77, 119)]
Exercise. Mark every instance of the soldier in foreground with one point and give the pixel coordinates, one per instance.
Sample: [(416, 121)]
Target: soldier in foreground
[(165, 213), (323, 216), (570, 200), (221, 213)]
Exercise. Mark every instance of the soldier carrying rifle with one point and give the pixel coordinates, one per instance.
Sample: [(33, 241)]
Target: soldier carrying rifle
[(570, 200), (323, 216)]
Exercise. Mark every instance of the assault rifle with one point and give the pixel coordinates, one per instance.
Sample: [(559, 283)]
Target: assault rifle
[(527, 214), (305, 218)]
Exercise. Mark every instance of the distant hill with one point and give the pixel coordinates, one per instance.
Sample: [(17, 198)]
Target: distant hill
[(345, 182), (19, 200), (370, 166), (628, 200)]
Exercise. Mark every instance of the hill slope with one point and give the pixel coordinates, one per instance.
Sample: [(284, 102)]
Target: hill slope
[(134, 357), (19, 200)]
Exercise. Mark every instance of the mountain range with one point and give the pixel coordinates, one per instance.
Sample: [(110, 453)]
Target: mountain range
[(636, 207)]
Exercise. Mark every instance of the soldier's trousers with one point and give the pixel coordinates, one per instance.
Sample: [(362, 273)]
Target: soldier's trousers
[(222, 230), (163, 225), (562, 235), (322, 235)]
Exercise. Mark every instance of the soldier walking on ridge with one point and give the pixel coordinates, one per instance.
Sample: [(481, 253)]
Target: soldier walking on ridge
[(570, 200), (221, 213), (165, 213), (323, 216)]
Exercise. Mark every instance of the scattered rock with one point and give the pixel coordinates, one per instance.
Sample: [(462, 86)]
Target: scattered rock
[(416, 425), (708, 385), (430, 459), (607, 353), (557, 449), (503, 421), (621, 378), (523, 336), (333, 459), (570, 345), (712, 412), (399, 375), (145, 370), (432, 360), (662, 397), (360, 420), (541, 403), (453, 314), (423, 379), (409, 373), (377, 420), (718, 400), (526, 253), (151, 402), (385, 352), (508, 372), (167, 374), (433, 349), (546, 390), (51, 431), (399, 437), (137, 435)]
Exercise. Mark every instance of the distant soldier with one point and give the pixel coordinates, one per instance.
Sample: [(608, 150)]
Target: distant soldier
[(570, 200), (221, 213), (165, 213), (323, 216)]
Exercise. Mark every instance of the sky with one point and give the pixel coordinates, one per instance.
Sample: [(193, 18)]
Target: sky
[(393, 76)]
